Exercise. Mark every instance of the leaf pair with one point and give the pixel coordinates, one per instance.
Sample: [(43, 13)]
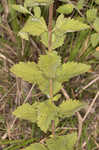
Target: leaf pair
[(49, 67), (43, 113), (65, 142)]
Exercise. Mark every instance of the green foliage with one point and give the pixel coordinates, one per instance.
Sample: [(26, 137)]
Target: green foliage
[(27, 112), (62, 142), (91, 14), (48, 67), (36, 146), (37, 12), (97, 2), (64, 25), (96, 24), (31, 3), (71, 69), (34, 26), (28, 71), (49, 63), (95, 39), (43, 113), (47, 112), (68, 108), (66, 8), (80, 4), (20, 8), (57, 40)]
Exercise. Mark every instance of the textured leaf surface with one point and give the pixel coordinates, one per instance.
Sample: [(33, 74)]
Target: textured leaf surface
[(36, 146), (23, 35), (62, 142), (37, 12), (27, 112), (91, 14), (47, 112), (57, 41), (49, 63), (44, 85), (95, 39), (96, 24), (69, 107), (27, 71), (20, 8), (31, 3), (35, 26), (71, 69), (68, 25), (66, 8)]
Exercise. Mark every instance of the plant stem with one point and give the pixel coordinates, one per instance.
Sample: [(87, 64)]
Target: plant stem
[(50, 49), (50, 27)]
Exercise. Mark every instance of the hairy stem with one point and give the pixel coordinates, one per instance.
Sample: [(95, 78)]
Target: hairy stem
[(50, 27), (50, 49)]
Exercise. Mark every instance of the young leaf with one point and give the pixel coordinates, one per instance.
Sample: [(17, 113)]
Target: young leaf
[(95, 39), (57, 41), (44, 85), (69, 107), (27, 112), (66, 9), (27, 71), (68, 25), (65, 142), (91, 14), (35, 26), (36, 146), (24, 35), (96, 24), (47, 112), (49, 63), (71, 69), (37, 12), (31, 3), (20, 8)]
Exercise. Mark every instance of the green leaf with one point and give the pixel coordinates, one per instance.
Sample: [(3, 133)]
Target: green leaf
[(20, 8), (57, 41), (91, 14), (49, 63), (65, 142), (95, 39), (36, 146), (47, 112), (97, 2), (66, 9), (68, 25), (31, 3), (71, 69), (35, 26), (69, 107), (27, 71), (27, 112), (56, 98), (23, 35), (80, 4), (96, 24), (44, 85), (37, 12)]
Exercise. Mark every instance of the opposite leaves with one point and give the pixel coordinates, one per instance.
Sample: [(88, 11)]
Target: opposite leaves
[(49, 67)]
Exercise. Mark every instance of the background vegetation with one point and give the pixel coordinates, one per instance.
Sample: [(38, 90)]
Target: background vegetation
[(79, 46)]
